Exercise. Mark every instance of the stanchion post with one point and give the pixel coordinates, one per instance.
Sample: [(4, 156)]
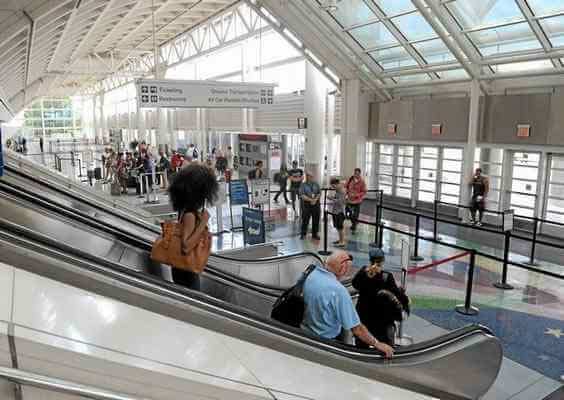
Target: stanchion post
[(533, 243), (435, 216), (381, 236), (503, 283), (416, 256), (467, 308), (325, 252)]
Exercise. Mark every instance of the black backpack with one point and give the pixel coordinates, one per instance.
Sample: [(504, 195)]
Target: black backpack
[(290, 306)]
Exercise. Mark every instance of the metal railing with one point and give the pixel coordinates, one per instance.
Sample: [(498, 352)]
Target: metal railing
[(61, 386)]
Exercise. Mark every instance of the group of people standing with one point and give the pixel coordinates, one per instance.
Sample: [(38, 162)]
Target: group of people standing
[(346, 199)]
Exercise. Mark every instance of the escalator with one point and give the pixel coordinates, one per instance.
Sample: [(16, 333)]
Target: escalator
[(460, 365), (278, 272), (281, 272)]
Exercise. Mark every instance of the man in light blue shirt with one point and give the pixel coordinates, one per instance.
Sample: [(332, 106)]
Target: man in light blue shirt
[(329, 307)]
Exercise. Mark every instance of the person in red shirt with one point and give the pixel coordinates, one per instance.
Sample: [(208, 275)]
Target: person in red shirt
[(176, 161), (356, 191)]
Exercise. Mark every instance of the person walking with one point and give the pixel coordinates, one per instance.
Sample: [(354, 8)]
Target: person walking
[(356, 191), (296, 179), (310, 193), (338, 210), (282, 179), (41, 143), (257, 173)]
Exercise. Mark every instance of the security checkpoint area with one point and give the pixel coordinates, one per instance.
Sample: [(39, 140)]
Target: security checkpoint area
[(282, 199)]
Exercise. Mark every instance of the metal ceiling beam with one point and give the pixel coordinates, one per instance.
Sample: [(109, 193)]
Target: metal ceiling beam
[(455, 47), (29, 47), (537, 30), (333, 32), (390, 26)]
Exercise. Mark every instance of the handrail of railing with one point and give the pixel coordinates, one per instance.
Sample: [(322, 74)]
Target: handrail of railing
[(61, 386), (517, 216)]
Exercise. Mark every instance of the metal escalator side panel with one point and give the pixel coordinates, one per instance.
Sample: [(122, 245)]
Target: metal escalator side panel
[(426, 368)]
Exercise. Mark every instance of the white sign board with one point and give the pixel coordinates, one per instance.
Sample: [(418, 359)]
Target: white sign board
[(260, 188), (203, 94)]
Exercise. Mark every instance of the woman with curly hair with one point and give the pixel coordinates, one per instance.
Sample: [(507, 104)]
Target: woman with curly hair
[(189, 191)]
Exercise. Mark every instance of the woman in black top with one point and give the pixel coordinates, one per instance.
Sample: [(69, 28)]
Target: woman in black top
[(380, 301), (189, 191)]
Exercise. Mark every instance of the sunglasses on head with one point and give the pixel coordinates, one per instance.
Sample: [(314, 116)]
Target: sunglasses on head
[(349, 258)]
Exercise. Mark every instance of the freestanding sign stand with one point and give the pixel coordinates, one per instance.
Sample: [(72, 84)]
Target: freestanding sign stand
[(221, 199), (253, 226), (238, 196)]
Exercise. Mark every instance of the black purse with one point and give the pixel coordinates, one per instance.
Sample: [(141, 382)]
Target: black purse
[(290, 306)]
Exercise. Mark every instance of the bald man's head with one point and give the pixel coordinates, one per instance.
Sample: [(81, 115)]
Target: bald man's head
[(339, 263)]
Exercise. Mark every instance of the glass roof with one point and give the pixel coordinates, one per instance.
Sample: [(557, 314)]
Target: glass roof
[(477, 38)]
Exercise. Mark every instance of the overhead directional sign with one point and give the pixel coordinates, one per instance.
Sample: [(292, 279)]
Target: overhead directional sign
[(203, 94)]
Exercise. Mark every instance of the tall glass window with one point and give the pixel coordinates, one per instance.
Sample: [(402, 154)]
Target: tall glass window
[(524, 183), (368, 169), (555, 197), (429, 161), (404, 172), (385, 168), (451, 175)]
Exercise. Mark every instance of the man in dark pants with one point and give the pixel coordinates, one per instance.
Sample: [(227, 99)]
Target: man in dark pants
[(296, 178), (310, 193), (480, 188)]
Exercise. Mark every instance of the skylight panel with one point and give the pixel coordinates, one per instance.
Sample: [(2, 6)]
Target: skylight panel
[(481, 13), (505, 39), (393, 58), (434, 51), (546, 7), (394, 7), (373, 35), (554, 29), (414, 27), (353, 12)]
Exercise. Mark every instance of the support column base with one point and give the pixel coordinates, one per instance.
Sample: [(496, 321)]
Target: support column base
[(503, 286), (461, 309), (416, 258)]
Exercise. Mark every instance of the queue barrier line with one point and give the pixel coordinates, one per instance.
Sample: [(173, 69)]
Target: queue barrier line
[(414, 270)]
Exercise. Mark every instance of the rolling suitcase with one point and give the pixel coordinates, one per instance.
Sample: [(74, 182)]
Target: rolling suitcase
[(97, 173)]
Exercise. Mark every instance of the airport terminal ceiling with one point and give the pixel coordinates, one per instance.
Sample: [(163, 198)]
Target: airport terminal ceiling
[(396, 47)]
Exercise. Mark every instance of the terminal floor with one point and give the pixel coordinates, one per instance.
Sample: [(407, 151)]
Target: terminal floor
[(529, 320)]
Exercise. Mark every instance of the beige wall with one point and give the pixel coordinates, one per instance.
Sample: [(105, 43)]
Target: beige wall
[(499, 117)]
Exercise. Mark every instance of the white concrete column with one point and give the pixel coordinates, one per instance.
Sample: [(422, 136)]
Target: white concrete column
[(355, 115), (315, 97), (330, 132), (471, 142)]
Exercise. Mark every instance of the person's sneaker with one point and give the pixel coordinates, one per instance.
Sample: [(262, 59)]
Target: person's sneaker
[(472, 222), (336, 242), (302, 237), (340, 245), (478, 223), (276, 201), (316, 237)]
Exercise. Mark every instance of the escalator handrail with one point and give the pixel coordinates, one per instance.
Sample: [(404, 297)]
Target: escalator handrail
[(160, 287), (77, 196)]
